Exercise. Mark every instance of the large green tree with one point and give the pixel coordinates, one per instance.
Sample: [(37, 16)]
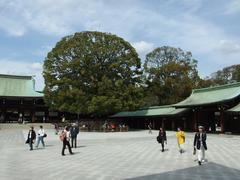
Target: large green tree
[(92, 73), (170, 75)]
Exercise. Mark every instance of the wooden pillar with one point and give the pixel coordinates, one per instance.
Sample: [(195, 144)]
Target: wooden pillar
[(20, 111), (32, 115), (153, 123), (173, 125), (222, 121), (46, 115), (195, 119), (4, 110), (163, 123), (146, 123), (184, 123), (33, 111), (138, 123)]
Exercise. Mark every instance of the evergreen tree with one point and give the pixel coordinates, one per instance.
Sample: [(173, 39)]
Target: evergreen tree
[(92, 73), (170, 74)]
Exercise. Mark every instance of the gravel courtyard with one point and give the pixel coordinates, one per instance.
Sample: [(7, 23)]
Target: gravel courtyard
[(119, 155)]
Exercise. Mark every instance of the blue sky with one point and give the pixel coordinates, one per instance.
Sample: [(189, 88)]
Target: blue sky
[(209, 29)]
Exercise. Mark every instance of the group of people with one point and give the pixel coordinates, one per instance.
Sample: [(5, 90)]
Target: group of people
[(123, 127), (108, 127), (69, 134), (111, 127), (199, 143), (32, 136)]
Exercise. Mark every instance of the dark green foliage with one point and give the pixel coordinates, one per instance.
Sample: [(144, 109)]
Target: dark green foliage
[(204, 83), (92, 73), (170, 74)]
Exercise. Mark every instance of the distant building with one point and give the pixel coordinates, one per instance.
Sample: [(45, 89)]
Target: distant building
[(19, 102), (216, 108)]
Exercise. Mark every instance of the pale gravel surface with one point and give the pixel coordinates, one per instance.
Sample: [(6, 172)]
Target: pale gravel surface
[(120, 155)]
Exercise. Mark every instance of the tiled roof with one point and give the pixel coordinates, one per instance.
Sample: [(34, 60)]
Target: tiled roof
[(212, 95), (235, 108), (18, 86), (152, 111)]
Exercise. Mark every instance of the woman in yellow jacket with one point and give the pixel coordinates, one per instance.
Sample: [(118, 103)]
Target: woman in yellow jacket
[(180, 139)]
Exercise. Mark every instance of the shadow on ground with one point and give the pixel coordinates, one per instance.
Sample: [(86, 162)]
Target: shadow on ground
[(49, 145), (74, 153), (206, 171), (81, 146)]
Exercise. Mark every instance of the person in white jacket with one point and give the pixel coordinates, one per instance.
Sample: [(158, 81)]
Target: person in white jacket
[(40, 135)]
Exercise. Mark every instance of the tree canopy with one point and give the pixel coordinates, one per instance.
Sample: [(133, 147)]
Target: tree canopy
[(92, 73), (171, 73), (227, 75)]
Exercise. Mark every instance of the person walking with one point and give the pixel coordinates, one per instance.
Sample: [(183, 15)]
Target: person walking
[(105, 126), (180, 139), (74, 130), (66, 140), (56, 127), (162, 137), (31, 137), (150, 128), (200, 144), (40, 135)]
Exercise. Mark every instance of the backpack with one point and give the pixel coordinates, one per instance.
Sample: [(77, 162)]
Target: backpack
[(62, 136)]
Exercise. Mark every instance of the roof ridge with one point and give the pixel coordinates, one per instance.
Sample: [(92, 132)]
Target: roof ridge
[(16, 76), (156, 107), (225, 86)]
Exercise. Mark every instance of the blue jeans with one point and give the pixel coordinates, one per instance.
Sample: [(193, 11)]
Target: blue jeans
[(40, 138)]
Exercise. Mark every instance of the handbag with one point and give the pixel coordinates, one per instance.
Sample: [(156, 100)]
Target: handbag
[(45, 135), (27, 141)]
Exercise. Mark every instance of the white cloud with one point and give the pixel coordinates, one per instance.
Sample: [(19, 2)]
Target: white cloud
[(11, 27), (143, 47), (36, 66), (54, 17), (228, 47), (42, 51), (48, 17), (23, 68), (146, 25), (232, 7)]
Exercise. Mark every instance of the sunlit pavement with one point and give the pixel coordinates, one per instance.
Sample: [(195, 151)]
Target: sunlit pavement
[(118, 155)]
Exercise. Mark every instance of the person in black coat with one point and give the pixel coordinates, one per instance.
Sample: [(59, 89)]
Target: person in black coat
[(74, 130), (162, 137), (31, 137), (200, 144)]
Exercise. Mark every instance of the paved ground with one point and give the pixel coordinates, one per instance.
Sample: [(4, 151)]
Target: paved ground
[(126, 155)]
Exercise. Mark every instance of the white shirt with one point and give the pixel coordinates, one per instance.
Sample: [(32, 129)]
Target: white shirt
[(67, 135), (201, 135), (30, 134), (41, 132)]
